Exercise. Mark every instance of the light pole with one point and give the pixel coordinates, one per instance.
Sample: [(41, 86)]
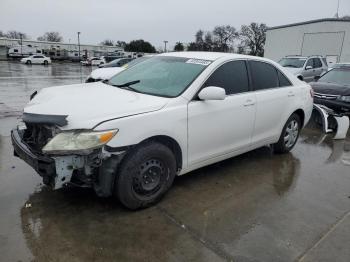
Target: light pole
[(21, 37), (165, 42), (79, 45)]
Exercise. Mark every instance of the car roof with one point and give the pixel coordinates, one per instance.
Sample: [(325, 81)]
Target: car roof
[(303, 57), (212, 56)]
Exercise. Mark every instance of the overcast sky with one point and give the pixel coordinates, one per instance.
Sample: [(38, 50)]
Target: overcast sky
[(153, 20)]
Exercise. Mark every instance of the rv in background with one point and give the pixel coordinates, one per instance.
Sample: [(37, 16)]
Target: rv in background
[(19, 51)]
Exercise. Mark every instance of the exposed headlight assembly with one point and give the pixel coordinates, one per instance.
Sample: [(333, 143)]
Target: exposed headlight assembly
[(344, 98), (76, 141)]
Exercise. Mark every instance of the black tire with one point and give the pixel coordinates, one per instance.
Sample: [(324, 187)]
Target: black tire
[(145, 175), (29, 62), (45, 62), (289, 135)]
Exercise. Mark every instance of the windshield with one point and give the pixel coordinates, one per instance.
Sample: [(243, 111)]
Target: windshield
[(336, 76), (136, 61), (161, 75), (292, 62)]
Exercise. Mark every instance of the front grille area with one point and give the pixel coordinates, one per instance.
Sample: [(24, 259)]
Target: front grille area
[(326, 96), (36, 136)]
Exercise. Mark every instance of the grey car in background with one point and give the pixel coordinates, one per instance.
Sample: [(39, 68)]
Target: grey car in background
[(306, 68)]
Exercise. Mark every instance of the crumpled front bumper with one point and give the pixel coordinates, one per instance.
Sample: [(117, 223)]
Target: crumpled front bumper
[(45, 166)]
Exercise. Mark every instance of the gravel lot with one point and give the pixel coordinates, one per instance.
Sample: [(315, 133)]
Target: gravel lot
[(255, 207)]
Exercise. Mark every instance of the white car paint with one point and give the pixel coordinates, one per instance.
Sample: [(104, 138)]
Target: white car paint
[(36, 59), (207, 131), (105, 73)]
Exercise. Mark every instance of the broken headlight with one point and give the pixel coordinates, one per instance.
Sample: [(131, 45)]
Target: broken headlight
[(74, 141)]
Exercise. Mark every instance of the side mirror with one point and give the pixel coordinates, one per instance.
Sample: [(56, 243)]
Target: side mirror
[(212, 93), (316, 78), (308, 67)]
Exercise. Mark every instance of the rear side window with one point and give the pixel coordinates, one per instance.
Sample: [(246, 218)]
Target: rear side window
[(264, 75), (232, 76), (283, 81), (317, 63)]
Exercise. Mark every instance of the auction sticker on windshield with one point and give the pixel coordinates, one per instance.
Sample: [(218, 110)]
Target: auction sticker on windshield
[(198, 61)]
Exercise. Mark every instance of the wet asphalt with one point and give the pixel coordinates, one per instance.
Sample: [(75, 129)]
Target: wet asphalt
[(255, 207)]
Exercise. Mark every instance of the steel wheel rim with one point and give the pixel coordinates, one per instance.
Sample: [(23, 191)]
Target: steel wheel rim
[(149, 179), (291, 133)]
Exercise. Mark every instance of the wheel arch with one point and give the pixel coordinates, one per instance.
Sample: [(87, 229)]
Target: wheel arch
[(171, 143), (300, 112)]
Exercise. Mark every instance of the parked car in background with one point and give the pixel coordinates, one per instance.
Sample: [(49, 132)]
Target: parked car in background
[(166, 116), (117, 62), (106, 73), (93, 61), (305, 68), (36, 59), (333, 89)]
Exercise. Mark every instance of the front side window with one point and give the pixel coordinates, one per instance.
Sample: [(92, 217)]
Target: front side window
[(165, 76), (310, 62), (264, 75), (232, 76)]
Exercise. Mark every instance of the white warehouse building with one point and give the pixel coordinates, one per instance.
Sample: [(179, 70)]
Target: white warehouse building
[(328, 37)]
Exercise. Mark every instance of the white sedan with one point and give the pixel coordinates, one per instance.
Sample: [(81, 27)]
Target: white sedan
[(171, 114), (106, 73), (36, 59)]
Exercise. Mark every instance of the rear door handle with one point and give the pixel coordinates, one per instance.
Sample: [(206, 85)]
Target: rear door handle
[(249, 102), (291, 94)]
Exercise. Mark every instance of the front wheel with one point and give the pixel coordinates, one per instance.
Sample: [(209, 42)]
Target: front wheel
[(46, 62), (289, 135), (146, 174), (29, 62)]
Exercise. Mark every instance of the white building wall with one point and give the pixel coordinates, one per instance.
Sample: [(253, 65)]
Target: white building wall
[(327, 38)]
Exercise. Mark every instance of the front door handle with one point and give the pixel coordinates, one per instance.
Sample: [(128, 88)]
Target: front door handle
[(249, 102)]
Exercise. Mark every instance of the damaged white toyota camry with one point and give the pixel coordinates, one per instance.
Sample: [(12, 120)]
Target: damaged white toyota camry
[(173, 113)]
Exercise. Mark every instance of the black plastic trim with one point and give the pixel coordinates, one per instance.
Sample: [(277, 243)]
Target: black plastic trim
[(59, 120)]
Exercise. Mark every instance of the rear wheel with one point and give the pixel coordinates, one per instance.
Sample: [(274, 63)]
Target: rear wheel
[(29, 62), (289, 135), (145, 175), (46, 62)]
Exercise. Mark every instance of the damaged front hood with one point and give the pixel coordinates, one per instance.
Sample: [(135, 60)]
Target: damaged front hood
[(86, 105), (330, 88)]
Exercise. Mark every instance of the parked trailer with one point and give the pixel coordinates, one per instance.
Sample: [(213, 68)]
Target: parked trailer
[(23, 51)]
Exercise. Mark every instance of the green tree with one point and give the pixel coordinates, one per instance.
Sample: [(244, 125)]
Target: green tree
[(140, 46), (51, 37), (179, 47), (253, 37), (121, 44)]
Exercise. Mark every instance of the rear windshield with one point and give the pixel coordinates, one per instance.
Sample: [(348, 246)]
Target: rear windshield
[(161, 75)]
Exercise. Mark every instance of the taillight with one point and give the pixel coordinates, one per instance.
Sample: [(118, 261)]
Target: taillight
[(312, 92)]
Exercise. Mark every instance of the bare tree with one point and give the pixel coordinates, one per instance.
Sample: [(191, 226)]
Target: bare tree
[(107, 42), (208, 41), (2, 34), (224, 36), (16, 35), (51, 37), (253, 37)]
